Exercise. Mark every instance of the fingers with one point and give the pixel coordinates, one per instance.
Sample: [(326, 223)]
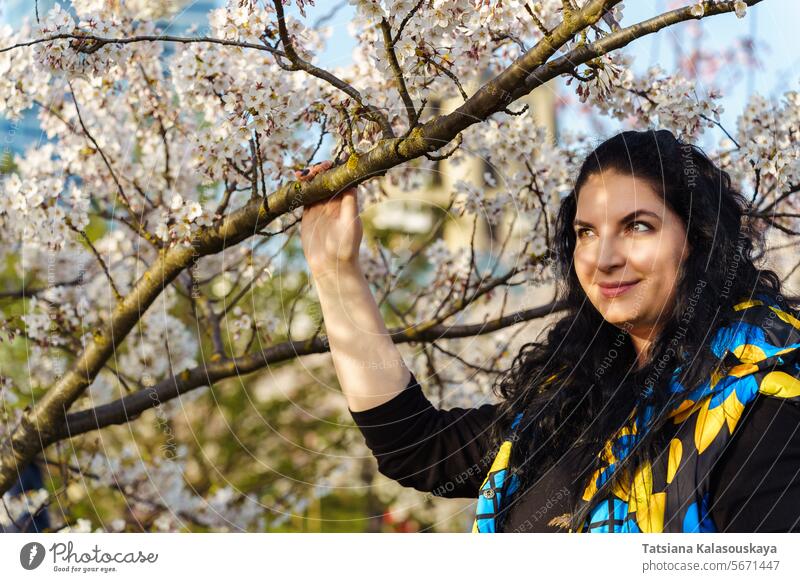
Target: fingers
[(348, 203), (308, 173)]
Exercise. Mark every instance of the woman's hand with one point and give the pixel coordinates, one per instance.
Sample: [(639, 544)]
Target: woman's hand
[(330, 230)]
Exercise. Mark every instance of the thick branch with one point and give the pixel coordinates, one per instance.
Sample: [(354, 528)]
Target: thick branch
[(616, 40), (38, 424), (498, 93)]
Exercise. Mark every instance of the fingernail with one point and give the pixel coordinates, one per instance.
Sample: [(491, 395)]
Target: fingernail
[(304, 172)]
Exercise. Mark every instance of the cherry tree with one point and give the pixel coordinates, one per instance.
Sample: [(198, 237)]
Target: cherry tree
[(153, 236)]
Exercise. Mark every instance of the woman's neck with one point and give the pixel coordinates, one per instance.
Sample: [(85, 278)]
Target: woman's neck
[(642, 347)]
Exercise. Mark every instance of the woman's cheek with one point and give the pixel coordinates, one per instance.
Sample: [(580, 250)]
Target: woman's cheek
[(647, 258), (583, 268)]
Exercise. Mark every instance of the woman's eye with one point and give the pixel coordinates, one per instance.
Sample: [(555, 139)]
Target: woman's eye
[(640, 223), (581, 231)]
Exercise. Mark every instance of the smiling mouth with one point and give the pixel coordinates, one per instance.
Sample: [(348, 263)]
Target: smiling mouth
[(617, 288)]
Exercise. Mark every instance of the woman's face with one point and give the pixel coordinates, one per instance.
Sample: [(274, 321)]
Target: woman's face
[(626, 233)]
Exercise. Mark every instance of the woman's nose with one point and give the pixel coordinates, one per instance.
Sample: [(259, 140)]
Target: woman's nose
[(610, 254)]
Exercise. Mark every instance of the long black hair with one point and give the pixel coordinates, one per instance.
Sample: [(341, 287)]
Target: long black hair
[(580, 384)]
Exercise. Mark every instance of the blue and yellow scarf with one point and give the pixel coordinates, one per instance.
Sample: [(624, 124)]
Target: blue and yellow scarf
[(673, 495)]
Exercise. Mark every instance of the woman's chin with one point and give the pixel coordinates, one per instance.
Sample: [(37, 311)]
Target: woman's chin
[(617, 314)]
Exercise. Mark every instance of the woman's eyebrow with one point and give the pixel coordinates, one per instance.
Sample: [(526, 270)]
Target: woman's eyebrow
[(628, 217)]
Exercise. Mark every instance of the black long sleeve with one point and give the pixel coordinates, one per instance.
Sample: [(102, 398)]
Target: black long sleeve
[(756, 483), (444, 452)]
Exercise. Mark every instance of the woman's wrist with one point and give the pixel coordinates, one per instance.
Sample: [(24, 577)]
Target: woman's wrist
[(337, 274)]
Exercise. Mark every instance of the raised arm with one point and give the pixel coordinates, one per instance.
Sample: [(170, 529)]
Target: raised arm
[(370, 368), (441, 451)]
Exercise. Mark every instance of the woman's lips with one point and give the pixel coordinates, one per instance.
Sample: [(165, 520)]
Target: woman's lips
[(615, 291)]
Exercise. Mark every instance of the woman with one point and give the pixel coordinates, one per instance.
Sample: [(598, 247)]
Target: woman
[(665, 399)]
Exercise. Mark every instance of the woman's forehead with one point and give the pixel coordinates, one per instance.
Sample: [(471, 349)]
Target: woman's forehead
[(611, 194)]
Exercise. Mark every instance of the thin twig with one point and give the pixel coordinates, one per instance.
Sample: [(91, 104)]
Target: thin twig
[(405, 20), (297, 63), (438, 158), (791, 190), (397, 71), (450, 74), (99, 150), (254, 169), (719, 125), (329, 16), (213, 319), (25, 293), (465, 362), (226, 198), (260, 162), (122, 488), (99, 258), (322, 133), (539, 24), (162, 131), (96, 42), (472, 265)]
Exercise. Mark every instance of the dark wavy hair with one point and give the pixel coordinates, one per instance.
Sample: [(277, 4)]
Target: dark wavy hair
[(581, 384)]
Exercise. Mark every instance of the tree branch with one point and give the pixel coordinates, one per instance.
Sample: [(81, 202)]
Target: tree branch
[(99, 150), (616, 40), (97, 42), (397, 71), (405, 20), (299, 64), (85, 237), (32, 292), (130, 407), (120, 190)]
